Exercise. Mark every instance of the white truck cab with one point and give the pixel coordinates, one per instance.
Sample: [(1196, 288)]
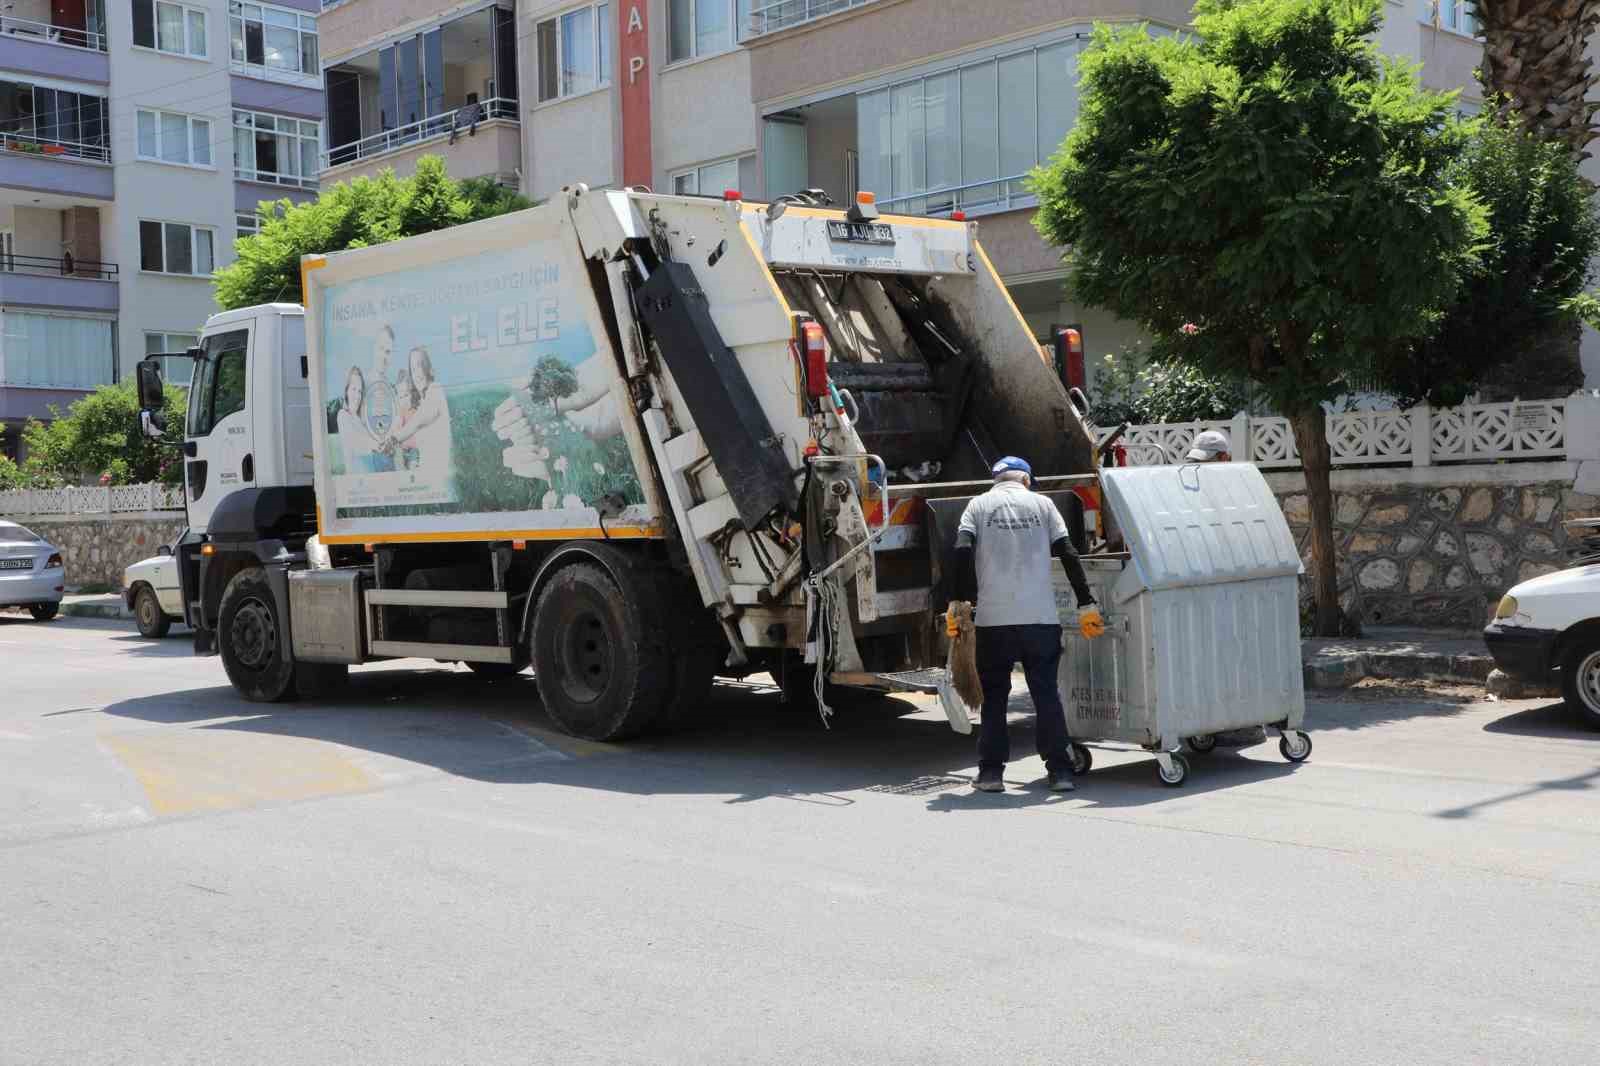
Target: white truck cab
[(248, 421)]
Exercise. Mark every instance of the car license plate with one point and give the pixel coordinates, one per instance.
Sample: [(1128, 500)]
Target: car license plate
[(861, 232), (16, 564)]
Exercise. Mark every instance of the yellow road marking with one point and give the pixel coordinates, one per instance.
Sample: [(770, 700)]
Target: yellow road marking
[(566, 745), (184, 771)]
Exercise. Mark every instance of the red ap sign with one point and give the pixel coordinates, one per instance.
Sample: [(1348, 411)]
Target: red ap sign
[(633, 24)]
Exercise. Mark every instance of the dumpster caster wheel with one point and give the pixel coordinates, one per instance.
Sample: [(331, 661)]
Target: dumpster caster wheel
[(1082, 761), (1203, 743), (1295, 746), (1172, 769)]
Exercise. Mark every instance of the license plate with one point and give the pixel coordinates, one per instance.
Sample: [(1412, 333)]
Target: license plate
[(16, 564), (861, 232)]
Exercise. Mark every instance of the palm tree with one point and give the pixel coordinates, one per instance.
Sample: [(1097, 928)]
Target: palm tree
[(1534, 64)]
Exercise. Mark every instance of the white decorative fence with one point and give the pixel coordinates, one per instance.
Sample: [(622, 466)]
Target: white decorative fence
[(1421, 436), (92, 500)]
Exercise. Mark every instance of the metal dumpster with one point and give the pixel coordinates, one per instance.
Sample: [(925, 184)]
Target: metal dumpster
[(1202, 618)]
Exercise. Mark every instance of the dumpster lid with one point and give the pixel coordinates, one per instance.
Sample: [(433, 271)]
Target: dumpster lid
[(1200, 523)]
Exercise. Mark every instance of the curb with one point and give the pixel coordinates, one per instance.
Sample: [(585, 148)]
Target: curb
[(1336, 670), (96, 610)]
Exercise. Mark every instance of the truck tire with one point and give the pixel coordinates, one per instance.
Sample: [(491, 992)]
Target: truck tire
[(1580, 679), (316, 681), (698, 651), (153, 622), (602, 667), (247, 638)]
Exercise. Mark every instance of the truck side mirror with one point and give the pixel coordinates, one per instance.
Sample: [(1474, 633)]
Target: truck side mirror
[(151, 398)]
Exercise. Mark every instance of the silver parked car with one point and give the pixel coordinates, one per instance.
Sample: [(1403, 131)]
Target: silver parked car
[(31, 572)]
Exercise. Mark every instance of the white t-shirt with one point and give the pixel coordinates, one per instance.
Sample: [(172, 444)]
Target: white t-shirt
[(1012, 528), (356, 442)]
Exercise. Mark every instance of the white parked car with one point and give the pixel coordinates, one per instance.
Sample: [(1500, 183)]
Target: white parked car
[(1550, 625), (150, 589), (31, 572)]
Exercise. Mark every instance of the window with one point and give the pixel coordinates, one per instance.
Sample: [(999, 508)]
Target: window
[(37, 114), (219, 376), (175, 248), (703, 27), (275, 149), (1450, 15), (173, 28), (574, 52), (272, 37), (56, 351), (178, 370), (966, 137), (711, 179), (246, 226), (171, 138)]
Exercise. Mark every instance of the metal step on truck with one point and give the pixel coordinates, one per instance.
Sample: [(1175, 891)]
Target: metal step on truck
[(635, 441)]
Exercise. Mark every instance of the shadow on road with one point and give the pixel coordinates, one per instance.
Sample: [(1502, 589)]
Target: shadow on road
[(746, 746), (1380, 703), (1552, 720)]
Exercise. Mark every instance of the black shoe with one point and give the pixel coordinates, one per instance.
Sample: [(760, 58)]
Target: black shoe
[(989, 780), (1061, 781)]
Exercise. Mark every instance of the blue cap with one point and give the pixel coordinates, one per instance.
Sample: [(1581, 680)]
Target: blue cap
[(1011, 462)]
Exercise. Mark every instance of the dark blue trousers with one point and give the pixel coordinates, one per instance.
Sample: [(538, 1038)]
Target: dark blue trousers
[(1038, 649)]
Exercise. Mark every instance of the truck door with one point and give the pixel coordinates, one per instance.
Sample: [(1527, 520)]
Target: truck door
[(219, 439)]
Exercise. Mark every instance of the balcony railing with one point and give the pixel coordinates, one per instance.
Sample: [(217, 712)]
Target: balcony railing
[(28, 144), (460, 119), (781, 14), (65, 267), (15, 27), (996, 194)]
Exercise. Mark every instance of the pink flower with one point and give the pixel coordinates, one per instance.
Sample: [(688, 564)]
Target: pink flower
[(1188, 329)]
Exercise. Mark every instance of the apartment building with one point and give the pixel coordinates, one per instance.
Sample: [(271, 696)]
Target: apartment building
[(136, 139), (935, 106)]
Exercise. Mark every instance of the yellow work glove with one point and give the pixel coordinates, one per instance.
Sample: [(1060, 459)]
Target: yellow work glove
[(1091, 623), (951, 628)]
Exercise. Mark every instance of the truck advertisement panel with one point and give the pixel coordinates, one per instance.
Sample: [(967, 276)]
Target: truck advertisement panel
[(477, 389)]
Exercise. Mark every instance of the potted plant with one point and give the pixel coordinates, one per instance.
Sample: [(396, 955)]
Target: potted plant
[(55, 149)]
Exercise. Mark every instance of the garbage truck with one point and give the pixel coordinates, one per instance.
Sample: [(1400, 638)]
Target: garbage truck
[(632, 440)]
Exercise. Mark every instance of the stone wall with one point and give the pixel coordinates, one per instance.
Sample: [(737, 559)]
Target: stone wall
[(1438, 546), (96, 548)]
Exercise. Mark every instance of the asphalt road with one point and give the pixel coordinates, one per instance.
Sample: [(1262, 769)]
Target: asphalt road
[(425, 873)]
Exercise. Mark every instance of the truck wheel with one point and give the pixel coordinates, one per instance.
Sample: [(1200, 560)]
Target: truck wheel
[(247, 637), (698, 651), (315, 681), (1580, 680), (153, 623), (602, 671)]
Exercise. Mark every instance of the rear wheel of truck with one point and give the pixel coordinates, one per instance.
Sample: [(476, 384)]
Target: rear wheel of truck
[(602, 670), (698, 651), (247, 638)]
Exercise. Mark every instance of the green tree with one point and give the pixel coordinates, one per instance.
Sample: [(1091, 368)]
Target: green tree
[(1269, 200), (99, 434), (1511, 329), (352, 214), (552, 380)]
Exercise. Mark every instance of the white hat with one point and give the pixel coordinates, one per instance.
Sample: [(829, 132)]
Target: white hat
[(1207, 445)]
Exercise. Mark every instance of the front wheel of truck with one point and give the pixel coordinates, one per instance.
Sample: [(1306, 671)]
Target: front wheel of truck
[(257, 663), (602, 669)]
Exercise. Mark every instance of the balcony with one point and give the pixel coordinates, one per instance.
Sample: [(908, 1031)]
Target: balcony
[(781, 14), (65, 284), (450, 89), (59, 39)]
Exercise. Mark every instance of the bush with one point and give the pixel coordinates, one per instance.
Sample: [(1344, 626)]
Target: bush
[(99, 435), (1131, 388)]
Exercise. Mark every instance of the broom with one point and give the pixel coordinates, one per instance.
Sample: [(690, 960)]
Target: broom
[(964, 653)]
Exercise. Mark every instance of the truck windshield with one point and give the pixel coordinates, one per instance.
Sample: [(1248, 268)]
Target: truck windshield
[(217, 390)]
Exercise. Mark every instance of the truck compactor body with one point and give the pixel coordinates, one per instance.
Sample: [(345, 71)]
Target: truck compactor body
[(634, 440)]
